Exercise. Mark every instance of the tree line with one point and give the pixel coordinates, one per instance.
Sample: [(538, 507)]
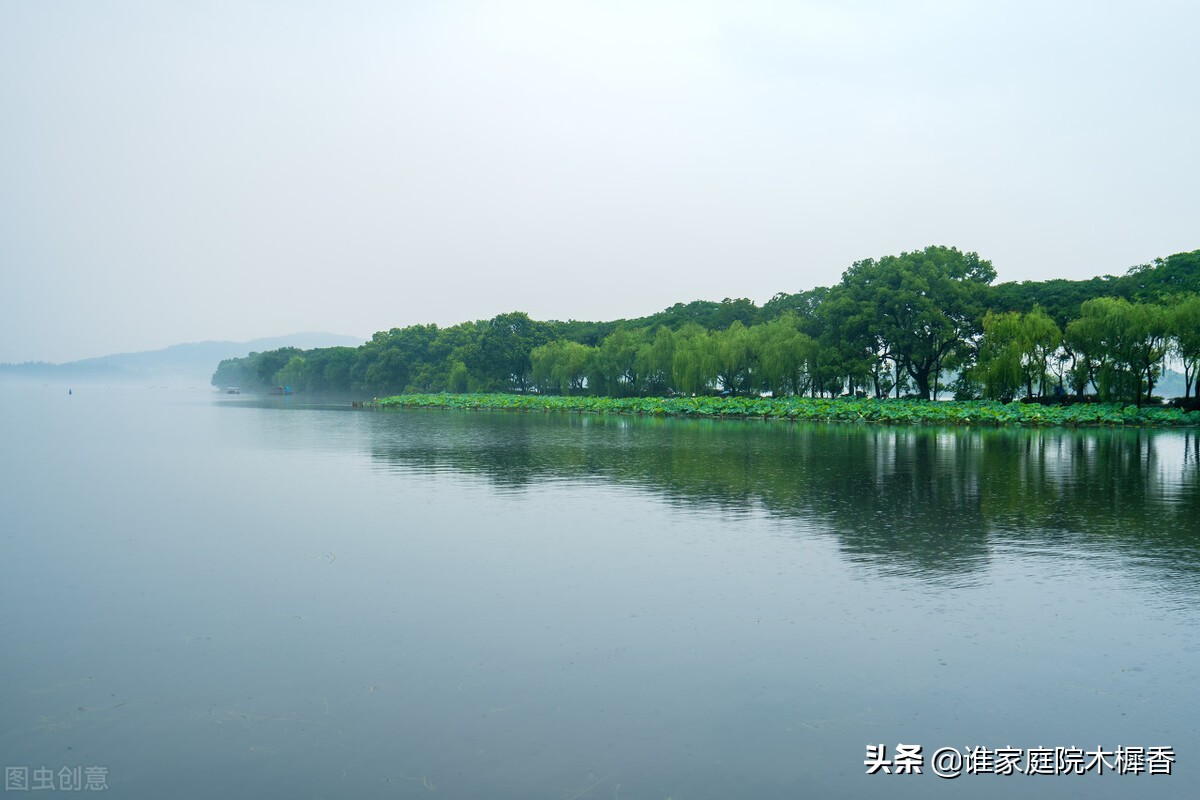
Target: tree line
[(913, 324)]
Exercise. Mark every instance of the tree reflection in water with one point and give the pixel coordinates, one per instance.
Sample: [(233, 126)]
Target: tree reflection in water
[(909, 499)]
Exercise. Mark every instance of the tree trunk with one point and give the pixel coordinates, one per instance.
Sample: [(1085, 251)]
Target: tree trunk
[(922, 379)]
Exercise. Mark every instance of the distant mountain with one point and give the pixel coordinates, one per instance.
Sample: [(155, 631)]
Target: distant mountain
[(1170, 384), (193, 361)]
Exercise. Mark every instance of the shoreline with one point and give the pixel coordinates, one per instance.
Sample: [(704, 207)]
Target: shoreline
[(808, 409)]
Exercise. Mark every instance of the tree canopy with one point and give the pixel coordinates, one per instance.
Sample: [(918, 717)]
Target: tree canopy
[(898, 324)]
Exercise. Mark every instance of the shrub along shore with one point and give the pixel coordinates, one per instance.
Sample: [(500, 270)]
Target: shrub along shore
[(814, 409)]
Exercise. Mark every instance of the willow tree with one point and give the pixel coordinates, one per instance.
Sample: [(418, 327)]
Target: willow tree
[(782, 354), (734, 356), (998, 366), (1014, 351), (693, 367), (655, 361), (613, 371), (561, 366), (1184, 318), (1124, 344)]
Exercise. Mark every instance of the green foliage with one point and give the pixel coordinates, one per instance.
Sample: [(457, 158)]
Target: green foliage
[(1060, 298), (656, 360), (1183, 320), (241, 372), (872, 410), (294, 373), (693, 365), (999, 364), (614, 368), (920, 305), (271, 362), (1164, 279), (1014, 352), (709, 315), (782, 352), (561, 367), (733, 356), (502, 355), (890, 326), (1122, 345), (458, 379)]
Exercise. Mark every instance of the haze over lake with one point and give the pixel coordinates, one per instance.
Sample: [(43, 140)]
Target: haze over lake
[(212, 595)]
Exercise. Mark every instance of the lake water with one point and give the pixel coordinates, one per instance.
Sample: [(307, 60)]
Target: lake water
[(217, 596)]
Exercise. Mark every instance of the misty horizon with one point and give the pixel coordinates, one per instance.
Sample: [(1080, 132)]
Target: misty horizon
[(175, 174)]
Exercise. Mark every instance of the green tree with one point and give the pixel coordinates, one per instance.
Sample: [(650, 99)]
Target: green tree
[(1123, 345), (1041, 338), (294, 374), (561, 367), (1014, 352), (237, 372), (458, 380), (502, 355), (268, 363), (999, 362), (329, 369), (1184, 322), (693, 367), (1163, 279), (655, 361), (733, 356), (783, 352), (446, 348), (544, 362), (852, 350), (613, 371), (395, 360), (922, 304)]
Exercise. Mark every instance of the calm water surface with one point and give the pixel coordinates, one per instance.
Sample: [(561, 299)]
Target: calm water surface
[(217, 596)]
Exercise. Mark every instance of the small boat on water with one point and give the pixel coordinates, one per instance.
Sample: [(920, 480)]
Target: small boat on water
[(232, 390), (281, 390)]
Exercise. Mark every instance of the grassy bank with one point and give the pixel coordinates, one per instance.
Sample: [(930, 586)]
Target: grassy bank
[(975, 412)]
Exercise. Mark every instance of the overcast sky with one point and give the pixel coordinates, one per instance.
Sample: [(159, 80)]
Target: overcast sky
[(181, 171)]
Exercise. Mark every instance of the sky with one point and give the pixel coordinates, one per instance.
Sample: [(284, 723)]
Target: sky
[(188, 171)]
